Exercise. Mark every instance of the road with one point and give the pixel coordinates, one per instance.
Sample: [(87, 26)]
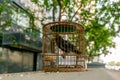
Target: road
[(114, 74), (91, 74)]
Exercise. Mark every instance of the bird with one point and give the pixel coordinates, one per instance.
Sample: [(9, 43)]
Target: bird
[(65, 45)]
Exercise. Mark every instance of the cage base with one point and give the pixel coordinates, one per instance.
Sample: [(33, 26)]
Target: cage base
[(65, 69)]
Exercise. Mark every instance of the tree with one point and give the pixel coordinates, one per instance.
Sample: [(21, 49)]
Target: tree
[(99, 17), (112, 63), (117, 63)]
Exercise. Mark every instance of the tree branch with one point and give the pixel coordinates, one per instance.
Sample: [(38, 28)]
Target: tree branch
[(60, 8), (54, 7), (76, 12)]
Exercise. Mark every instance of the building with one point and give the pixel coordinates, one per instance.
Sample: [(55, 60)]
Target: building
[(20, 44)]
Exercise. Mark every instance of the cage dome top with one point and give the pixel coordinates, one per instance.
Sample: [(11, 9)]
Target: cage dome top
[(63, 27)]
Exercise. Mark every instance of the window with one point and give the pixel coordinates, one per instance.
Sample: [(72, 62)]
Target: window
[(19, 17), (23, 20)]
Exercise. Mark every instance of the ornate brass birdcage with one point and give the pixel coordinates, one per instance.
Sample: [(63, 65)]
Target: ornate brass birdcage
[(63, 47)]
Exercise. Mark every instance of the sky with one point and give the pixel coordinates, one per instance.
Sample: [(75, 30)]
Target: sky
[(115, 56)]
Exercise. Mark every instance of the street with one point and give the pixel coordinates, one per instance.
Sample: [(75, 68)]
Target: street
[(91, 74)]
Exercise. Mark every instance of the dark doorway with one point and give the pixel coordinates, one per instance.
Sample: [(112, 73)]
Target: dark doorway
[(35, 62)]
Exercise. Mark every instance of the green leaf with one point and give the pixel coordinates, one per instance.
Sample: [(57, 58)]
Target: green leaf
[(66, 2), (84, 2), (36, 1), (46, 3)]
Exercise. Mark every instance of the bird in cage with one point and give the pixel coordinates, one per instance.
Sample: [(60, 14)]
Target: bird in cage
[(65, 45)]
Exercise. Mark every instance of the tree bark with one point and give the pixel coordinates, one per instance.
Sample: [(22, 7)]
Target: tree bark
[(60, 8), (54, 7)]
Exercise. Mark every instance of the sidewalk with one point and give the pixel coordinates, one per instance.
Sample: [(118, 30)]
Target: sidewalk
[(91, 74)]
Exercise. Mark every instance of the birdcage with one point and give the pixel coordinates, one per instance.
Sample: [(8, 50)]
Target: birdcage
[(63, 47)]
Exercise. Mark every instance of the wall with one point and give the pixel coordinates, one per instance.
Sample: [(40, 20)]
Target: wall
[(12, 61)]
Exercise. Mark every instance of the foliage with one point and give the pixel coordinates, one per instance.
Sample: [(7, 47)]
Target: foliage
[(100, 19), (108, 13), (117, 63), (6, 10), (112, 63)]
